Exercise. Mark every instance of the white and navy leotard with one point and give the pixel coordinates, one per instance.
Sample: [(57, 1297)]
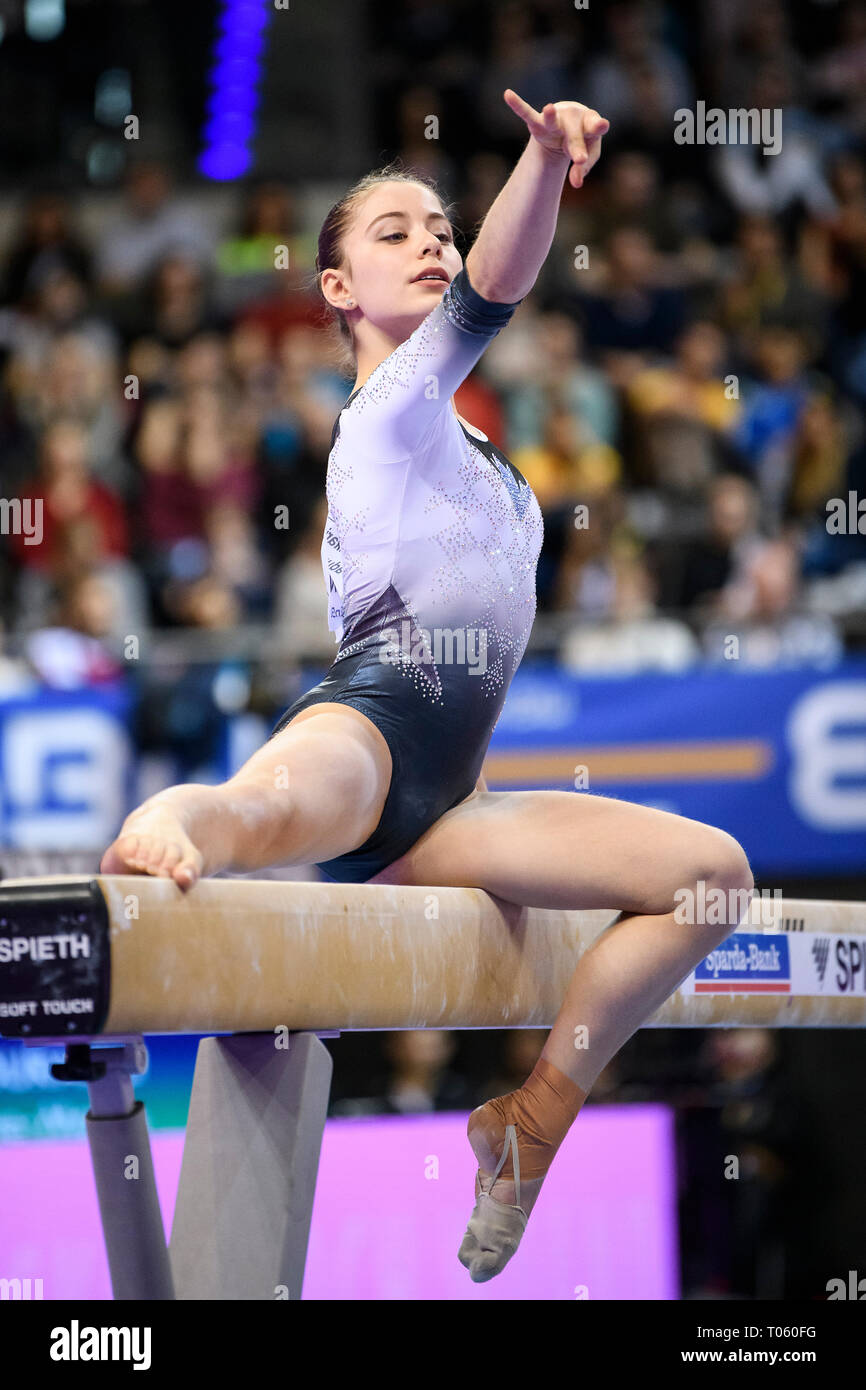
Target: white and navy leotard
[(429, 555)]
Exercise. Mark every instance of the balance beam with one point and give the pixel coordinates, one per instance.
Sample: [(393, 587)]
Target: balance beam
[(242, 955), (105, 960)]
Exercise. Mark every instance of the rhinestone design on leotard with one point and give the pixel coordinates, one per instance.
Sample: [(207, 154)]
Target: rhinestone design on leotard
[(444, 539), (488, 499)]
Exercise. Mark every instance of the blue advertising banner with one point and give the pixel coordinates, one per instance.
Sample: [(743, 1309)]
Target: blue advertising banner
[(746, 961), (776, 758), (66, 768)]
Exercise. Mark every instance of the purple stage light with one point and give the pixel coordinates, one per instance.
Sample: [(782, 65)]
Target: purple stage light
[(231, 105), (225, 161)]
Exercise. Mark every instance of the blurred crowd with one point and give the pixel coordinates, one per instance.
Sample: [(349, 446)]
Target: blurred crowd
[(684, 388)]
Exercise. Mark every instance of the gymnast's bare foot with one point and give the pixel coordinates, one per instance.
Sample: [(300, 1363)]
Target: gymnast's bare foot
[(155, 839)]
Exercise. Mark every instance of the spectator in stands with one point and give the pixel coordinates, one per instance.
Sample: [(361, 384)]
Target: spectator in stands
[(551, 361), (292, 302), (236, 558), (295, 437), (633, 312), (421, 1079), (685, 412), (152, 225), (841, 552), (519, 58), (568, 462), (174, 305), (635, 48), (149, 374), (194, 454), (80, 380), (417, 1078), (203, 363), (80, 554), (839, 76), (45, 245), (58, 302), (632, 197), (67, 492), (780, 181), (246, 261), (760, 612), (252, 364), (706, 565), (483, 175), (598, 550), (605, 582), (773, 405), (767, 585), (761, 35), (764, 286), (74, 654), (416, 148), (837, 247), (819, 458), (168, 508)]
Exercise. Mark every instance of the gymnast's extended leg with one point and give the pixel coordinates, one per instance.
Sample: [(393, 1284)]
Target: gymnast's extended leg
[(563, 850), (312, 792)]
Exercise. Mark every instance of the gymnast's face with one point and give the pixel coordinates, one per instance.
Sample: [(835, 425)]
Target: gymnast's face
[(399, 233)]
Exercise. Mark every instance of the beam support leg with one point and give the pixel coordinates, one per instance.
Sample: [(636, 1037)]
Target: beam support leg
[(116, 1123), (248, 1178)]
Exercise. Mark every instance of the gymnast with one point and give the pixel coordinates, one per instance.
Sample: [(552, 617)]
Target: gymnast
[(431, 544)]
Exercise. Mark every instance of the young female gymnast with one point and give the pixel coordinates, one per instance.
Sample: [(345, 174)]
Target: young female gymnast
[(429, 556)]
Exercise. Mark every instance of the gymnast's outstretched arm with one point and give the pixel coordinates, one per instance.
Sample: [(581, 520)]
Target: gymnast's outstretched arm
[(517, 232), (406, 393)]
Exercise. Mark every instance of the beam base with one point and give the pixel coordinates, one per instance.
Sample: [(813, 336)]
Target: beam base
[(250, 1161)]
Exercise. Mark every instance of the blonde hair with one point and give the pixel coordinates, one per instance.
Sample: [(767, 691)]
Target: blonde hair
[(331, 252)]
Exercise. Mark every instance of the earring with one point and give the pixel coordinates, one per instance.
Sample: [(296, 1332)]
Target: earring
[(350, 303)]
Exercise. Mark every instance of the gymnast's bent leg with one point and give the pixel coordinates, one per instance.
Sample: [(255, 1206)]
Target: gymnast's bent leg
[(559, 850), (314, 791)]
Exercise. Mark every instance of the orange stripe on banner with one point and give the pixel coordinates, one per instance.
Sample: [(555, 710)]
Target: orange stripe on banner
[(720, 761)]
